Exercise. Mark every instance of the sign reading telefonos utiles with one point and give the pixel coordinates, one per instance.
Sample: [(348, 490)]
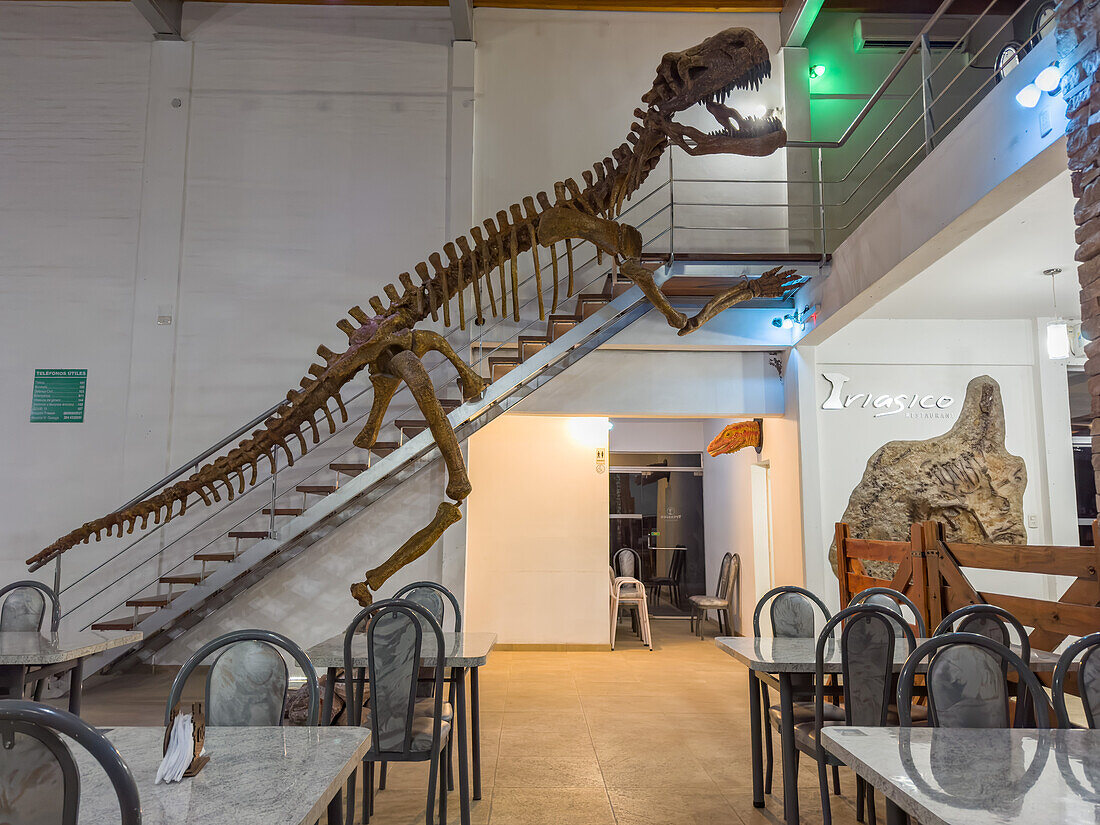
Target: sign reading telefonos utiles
[(917, 404)]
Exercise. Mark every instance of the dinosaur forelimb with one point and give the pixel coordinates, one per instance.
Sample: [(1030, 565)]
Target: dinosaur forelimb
[(407, 366), (772, 284), (472, 384), (417, 545), (385, 386), (642, 277)]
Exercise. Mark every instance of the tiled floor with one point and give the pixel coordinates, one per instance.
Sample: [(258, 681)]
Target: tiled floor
[(630, 737)]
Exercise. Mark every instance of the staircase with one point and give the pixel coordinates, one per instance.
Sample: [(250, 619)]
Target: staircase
[(310, 510)]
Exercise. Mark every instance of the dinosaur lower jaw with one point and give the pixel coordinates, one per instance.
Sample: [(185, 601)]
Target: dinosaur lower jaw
[(736, 135)]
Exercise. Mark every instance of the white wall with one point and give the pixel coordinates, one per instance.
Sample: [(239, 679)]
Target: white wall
[(937, 357), (537, 538)]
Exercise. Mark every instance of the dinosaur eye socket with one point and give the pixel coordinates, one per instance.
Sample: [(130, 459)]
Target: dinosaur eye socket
[(695, 71)]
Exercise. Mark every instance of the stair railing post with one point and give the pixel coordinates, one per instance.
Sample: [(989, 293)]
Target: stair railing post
[(671, 212), (274, 492), (821, 202), (926, 91), (57, 575)]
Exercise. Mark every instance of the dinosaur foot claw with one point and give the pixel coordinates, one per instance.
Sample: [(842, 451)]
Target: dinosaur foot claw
[(473, 389), (361, 593)]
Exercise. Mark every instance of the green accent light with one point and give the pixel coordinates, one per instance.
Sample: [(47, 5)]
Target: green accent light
[(817, 71)]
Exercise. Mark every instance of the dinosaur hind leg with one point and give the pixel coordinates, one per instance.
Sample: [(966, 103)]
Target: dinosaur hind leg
[(642, 277), (417, 545), (385, 386), (407, 366)]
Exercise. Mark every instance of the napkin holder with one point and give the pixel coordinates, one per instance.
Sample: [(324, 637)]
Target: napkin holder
[(198, 761)]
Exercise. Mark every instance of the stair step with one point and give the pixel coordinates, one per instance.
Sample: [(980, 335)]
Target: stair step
[(501, 365), (316, 489), (247, 534), (384, 448), (622, 286), (530, 344), (151, 601), (214, 556), (183, 578), (348, 469), (121, 623), (558, 325), (284, 511), (450, 403), (587, 306), (411, 426)]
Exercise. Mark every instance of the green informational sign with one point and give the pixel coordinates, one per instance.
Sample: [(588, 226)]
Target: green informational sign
[(58, 395)]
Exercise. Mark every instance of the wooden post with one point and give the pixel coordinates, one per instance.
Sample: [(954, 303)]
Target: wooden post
[(930, 533), (842, 563), (920, 573)]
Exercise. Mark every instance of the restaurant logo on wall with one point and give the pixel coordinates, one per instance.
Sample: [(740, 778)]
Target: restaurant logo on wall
[(911, 404)]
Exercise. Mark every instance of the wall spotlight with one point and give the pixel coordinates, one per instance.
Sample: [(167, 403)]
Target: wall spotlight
[(806, 315), (1028, 97), (1049, 79), (817, 71)]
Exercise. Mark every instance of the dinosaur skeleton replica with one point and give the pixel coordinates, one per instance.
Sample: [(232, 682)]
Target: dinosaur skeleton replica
[(390, 347)]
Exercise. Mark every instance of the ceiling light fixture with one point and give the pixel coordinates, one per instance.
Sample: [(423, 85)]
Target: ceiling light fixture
[(817, 71), (1049, 79), (1028, 97), (808, 315)]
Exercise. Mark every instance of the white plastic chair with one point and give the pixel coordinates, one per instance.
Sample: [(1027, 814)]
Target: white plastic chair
[(629, 592)]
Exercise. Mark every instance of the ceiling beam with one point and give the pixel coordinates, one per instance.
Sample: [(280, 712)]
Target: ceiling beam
[(462, 18), (796, 19), (165, 16)]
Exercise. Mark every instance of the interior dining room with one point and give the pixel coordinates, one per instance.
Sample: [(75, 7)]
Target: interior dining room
[(538, 412)]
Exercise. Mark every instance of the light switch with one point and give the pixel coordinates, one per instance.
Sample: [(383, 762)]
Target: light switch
[(1033, 521), (1044, 123)]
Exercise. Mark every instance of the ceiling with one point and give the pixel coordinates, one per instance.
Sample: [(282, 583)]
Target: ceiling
[(998, 271), (575, 5)]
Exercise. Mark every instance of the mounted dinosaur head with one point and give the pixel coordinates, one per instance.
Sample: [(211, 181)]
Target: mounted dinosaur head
[(737, 436), (706, 74)]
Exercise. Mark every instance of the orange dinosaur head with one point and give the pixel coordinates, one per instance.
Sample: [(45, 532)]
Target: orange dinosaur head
[(738, 435), (706, 74)]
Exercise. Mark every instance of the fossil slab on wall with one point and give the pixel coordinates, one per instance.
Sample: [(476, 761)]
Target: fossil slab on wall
[(965, 479)]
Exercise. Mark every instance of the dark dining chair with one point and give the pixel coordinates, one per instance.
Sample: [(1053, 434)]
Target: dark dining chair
[(39, 779), (893, 600), (24, 606), (726, 593), (395, 632), (247, 683), (968, 686), (1088, 680), (674, 580), (793, 612), (867, 642), (990, 621)]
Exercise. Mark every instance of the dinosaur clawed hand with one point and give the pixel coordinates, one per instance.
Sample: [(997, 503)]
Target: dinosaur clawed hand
[(472, 386), (772, 284), (775, 284)]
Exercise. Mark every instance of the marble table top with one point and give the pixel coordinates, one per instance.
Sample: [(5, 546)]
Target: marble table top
[(771, 655), (462, 650), (19, 647), (256, 776), (956, 776)]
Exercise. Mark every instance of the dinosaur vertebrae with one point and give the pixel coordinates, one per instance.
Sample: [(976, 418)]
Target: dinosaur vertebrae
[(476, 260)]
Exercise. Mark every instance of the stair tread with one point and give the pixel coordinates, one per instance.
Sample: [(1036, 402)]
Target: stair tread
[(284, 511), (151, 601), (317, 489), (344, 468), (214, 556), (410, 423), (121, 623), (504, 359), (182, 578), (534, 339), (247, 534)]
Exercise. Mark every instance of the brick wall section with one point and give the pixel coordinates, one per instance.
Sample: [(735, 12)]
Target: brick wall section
[(1079, 58)]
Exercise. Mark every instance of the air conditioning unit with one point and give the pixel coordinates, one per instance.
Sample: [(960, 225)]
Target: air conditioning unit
[(895, 32)]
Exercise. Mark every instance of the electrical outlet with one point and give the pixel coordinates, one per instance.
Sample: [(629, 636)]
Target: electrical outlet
[(1033, 521)]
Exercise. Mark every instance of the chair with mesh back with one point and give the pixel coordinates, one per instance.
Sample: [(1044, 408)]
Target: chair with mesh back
[(39, 779), (402, 729), (793, 612), (892, 600), (1088, 680), (968, 684), (726, 599), (629, 592), (247, 683), (628, 563)]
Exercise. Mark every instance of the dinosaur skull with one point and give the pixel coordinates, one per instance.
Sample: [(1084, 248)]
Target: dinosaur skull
[(706, 74)]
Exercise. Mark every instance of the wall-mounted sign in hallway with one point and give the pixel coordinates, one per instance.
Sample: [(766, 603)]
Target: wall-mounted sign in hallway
[(914, 404), (58, 396)]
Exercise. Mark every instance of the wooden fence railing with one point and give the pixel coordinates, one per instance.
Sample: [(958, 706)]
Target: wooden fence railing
[(931, 573)]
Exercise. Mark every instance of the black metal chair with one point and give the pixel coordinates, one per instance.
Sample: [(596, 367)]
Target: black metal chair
[(792, 612), (990, 621), (674, 580), (247, 683), (1088, 680), (867, 643), (395, 635), (39, 779), (726, 592), (968, 684), (893, 600), (24, 606)]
